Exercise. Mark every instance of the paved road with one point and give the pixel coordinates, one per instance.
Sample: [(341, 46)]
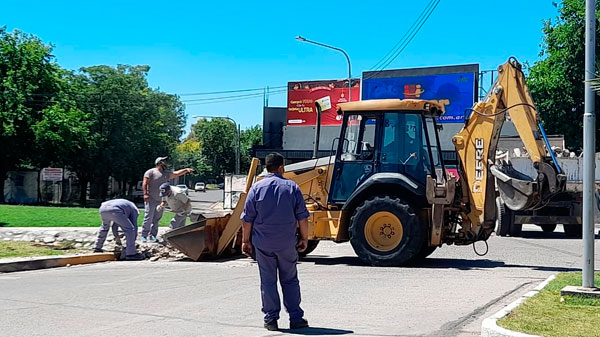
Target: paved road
[(449, 295), (208, 196)]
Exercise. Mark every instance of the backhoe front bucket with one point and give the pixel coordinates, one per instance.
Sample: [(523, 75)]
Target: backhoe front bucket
[(213, 236), (199, 239)]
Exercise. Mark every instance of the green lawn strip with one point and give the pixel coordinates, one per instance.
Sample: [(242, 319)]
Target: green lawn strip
[(25, 249), (40, 216), (545, 314)]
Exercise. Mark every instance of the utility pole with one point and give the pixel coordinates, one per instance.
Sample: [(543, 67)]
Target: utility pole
[(302, 39), (589, 146)]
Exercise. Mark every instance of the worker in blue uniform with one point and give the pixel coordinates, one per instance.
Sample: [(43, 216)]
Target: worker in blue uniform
[(124, 213), (273, 211)]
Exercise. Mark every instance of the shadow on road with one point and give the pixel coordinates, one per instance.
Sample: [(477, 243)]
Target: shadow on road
[(433, 263), (314, 331)]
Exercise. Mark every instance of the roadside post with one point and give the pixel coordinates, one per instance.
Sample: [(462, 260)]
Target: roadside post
[(589, 149)]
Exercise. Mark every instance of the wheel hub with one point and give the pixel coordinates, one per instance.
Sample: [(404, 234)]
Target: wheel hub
[(383, 231)]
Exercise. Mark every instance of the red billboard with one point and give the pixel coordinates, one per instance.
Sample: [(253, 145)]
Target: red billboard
[(301, 110)]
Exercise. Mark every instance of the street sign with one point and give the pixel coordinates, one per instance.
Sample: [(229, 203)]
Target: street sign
[(52, 174)]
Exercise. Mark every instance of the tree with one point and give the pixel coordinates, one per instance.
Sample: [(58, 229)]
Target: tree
[(249, 137), (218, 140), (132, 125), (29, 84), (556, 82), (189, 154)]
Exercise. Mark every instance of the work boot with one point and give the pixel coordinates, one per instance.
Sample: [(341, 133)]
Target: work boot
[(98, 250), (299, 325), (271, 325), (135, 257)]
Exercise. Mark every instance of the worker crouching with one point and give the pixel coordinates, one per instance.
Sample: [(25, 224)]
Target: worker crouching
[(124, 214), (179, 203)]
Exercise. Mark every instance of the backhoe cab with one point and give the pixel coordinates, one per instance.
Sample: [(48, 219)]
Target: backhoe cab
[(387, 152)]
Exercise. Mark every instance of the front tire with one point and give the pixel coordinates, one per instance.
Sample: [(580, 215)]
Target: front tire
[(385, 231)]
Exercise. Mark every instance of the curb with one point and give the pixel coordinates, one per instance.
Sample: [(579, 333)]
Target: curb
[(53, 262), (489, 326)]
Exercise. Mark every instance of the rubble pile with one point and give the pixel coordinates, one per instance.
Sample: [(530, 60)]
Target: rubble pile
[(522, 153), (161, 251)]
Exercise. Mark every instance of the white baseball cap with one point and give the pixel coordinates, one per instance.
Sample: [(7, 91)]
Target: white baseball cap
[(159, 159)]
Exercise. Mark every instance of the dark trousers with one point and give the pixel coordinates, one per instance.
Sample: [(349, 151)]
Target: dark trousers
[(269, 264)]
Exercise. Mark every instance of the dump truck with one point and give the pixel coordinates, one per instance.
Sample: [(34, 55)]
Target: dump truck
[(387, 190)]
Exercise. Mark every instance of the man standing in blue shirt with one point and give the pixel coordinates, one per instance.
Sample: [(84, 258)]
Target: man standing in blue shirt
[(273, 209)]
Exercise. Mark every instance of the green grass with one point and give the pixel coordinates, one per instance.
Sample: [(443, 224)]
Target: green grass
[(547, 315), (25, 249), (40, 216)]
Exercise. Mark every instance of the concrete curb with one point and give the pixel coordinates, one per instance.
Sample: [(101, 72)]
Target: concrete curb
[(490, 328), (53, 262)]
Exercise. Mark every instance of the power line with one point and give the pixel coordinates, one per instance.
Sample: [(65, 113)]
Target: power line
[(394, 49), (230, 91), (232, 96), (406, 39), (237, 99)]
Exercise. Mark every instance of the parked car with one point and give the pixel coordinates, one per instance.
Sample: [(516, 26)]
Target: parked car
[(200, 187), (183, 188)]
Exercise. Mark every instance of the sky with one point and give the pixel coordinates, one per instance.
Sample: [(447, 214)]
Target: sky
[(208, 46)]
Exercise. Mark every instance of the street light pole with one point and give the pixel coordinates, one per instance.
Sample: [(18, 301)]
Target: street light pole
[(589, 141), (300, 38), (238, 145)]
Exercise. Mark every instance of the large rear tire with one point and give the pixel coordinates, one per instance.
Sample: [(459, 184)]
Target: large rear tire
[(385, 231)]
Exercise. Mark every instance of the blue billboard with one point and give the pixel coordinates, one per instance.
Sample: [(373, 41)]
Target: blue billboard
[(454, 91)]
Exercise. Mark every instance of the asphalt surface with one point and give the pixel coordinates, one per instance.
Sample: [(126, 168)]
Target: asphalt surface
[(449, 295), (202, 200)]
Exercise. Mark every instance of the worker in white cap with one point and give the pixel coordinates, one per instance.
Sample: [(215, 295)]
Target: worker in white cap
[(153, 178), (178, 202)]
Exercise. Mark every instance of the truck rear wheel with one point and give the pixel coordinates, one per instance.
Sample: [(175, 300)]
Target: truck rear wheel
[(505, 220), (573, 231), (385, 231), (548, 228)]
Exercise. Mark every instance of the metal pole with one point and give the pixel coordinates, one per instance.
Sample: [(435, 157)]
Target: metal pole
[(589, 146), (317, 131), (300, 38), (238, 151)]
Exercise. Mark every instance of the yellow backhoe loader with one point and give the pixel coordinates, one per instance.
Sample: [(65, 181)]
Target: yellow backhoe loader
[(387, 189)]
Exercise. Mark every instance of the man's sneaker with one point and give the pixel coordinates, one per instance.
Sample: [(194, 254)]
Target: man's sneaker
[(143, 240), (135, 257), (98, 250), (271, 325), (299, 325), (152, 238)]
